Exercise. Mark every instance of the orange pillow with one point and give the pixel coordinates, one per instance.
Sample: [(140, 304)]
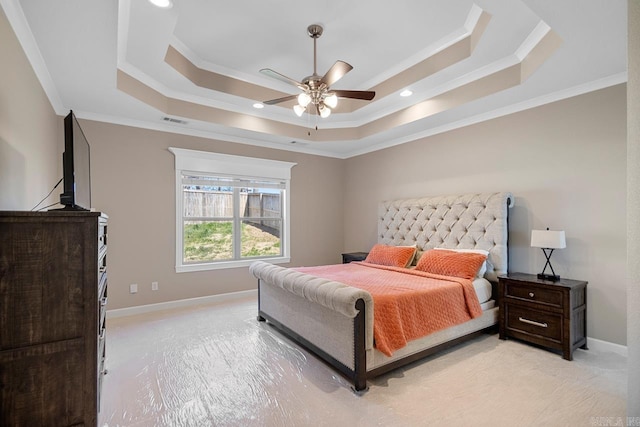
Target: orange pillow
[(395, 256), (450, 263)]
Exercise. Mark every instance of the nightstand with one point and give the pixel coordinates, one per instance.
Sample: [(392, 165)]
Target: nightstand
[(354, 256), (549, 314)]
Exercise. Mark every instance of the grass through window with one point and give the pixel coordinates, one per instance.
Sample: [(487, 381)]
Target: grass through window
[(213, 241)]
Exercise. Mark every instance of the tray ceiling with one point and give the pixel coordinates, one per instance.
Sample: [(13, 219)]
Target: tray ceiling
[(194, 68)]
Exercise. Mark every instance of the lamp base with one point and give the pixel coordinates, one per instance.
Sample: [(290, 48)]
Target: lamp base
[(549, 277)]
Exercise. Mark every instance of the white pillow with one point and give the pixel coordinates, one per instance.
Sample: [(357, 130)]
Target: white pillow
[(483, 267)]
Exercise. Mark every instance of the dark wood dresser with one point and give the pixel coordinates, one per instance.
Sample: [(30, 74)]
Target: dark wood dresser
[(53, 296), (549, 314)]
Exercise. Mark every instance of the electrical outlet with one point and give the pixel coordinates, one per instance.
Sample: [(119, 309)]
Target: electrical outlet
[(133, 288), (154, 286)]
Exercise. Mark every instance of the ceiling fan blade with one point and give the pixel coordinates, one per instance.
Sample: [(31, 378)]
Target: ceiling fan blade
[(336, 72), (279, 100), (367, 95), (274, 74)]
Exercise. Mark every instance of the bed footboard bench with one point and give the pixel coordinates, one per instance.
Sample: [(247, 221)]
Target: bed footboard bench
[(332, 320)]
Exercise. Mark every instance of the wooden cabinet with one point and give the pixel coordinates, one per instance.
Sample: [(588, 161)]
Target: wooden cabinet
[(550, 314), (53, 295), (354, 256)]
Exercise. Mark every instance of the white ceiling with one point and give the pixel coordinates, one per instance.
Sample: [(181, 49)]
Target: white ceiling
[(77, 47)]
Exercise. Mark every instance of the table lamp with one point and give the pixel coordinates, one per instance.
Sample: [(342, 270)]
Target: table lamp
[(548, 240)]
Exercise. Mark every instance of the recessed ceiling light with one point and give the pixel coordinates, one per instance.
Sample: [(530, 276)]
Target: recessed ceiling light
[(258, 105), (406, 93), (165, 4)]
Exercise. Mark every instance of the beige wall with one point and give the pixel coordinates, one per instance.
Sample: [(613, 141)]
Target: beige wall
[(30, 136), (565, 164), (133, 181), (633, 203)]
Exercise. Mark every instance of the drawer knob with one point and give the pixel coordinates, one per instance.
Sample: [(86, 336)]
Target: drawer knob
[(531, 294), (533, 322)]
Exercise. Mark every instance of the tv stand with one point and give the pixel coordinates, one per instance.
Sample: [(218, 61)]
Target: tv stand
[(53, 297)]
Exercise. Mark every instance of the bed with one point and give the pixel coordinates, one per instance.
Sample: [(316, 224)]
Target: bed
[(335, 321)]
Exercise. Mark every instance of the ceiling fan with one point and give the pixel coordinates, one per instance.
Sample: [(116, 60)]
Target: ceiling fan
[(316, 89)]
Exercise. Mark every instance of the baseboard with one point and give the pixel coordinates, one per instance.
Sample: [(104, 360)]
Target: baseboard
[(599, 345), (140, 309)]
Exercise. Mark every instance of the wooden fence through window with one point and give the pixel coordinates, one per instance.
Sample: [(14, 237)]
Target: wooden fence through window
[(219, 204)]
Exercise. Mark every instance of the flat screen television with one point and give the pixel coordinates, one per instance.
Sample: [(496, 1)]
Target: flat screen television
[(75, 167)]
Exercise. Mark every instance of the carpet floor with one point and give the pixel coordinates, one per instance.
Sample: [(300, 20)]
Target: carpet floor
[(215, 365)]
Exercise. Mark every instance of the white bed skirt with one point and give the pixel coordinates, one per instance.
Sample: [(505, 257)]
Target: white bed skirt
[(376, 359)]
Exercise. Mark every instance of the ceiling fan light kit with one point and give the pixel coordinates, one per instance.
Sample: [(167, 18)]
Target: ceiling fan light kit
[(316, 89)]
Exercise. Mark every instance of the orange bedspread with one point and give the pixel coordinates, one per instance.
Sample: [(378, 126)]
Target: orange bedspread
[(408, 304)]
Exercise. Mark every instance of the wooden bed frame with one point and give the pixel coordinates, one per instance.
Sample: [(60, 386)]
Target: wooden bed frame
[(335, 321)]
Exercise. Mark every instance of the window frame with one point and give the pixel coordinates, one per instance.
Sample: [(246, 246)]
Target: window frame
[(209, 163)]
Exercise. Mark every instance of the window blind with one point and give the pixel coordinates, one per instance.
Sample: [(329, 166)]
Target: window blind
[(231, 182)]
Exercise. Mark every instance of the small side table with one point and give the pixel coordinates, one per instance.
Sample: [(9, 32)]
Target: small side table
[(550, 314), (354, 256)]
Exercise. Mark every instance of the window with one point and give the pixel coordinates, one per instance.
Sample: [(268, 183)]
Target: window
[(230, 210)]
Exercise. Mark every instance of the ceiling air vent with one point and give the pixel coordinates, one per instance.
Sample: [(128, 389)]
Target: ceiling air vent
[(173, 120)]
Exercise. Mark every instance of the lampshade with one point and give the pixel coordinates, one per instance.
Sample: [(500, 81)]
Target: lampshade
[(324, 111), (165, 4), (304, 99), (331, 100), (298, 110), (548, 239)]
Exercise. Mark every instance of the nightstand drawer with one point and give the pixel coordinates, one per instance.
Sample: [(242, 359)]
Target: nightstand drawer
[(527, 292), (547, 325)]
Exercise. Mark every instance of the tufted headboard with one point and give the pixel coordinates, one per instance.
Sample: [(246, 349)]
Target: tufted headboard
[(467, 221)]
